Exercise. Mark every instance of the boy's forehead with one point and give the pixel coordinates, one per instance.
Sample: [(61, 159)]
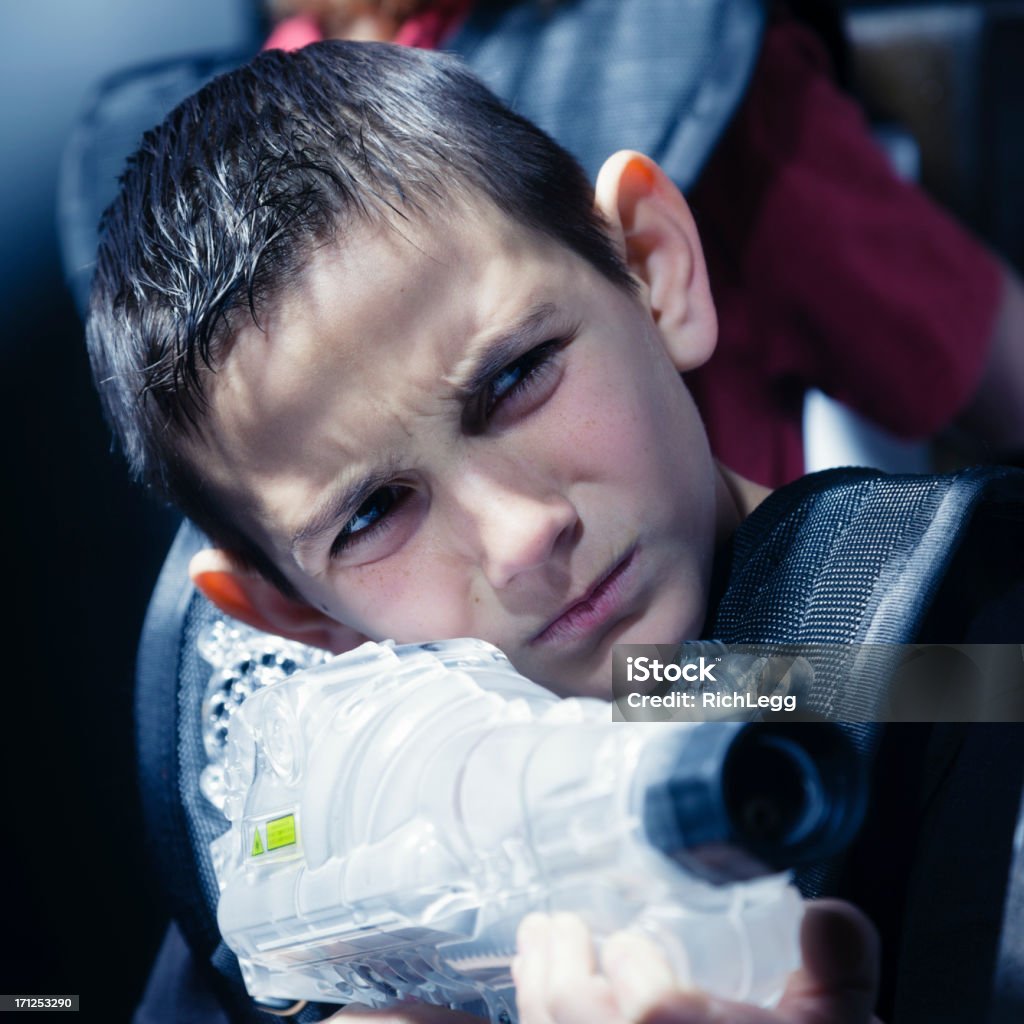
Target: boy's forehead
[(433, 293), (388, 325)]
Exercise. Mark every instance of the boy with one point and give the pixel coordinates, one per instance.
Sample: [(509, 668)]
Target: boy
[(514, 433), (398, 424)]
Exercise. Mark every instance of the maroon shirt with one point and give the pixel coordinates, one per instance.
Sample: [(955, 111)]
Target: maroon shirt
[(828, 271)]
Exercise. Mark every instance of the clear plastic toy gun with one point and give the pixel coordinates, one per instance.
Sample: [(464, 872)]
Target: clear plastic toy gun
[(395, 813)]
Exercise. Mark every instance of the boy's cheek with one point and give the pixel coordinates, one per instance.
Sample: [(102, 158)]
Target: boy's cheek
[(405, 599)]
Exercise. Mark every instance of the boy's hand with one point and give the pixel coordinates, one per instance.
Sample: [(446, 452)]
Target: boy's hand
[(558, 980)]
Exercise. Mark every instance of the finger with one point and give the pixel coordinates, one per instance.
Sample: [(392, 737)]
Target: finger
[(555, 977), (839, 978), (576, 993), (698, 1008), (572, 953), (638, 973), (530, 969), (592, 1003)]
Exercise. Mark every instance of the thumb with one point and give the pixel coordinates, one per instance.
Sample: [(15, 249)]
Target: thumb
[(839, 978)]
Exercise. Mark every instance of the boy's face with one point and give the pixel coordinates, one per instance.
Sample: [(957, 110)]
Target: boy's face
[(462, 429)]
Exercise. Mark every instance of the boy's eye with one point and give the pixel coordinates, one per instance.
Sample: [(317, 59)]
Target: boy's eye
[(521, 376), (371, 517), (528, 378)]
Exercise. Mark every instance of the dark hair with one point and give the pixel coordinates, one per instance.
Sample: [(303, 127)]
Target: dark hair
[(224, 203)]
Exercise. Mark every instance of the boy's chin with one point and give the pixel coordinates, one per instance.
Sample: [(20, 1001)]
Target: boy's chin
[(572, 675), (581, 664)]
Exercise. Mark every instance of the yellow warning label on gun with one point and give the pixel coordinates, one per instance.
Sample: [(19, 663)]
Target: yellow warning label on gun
[(273, 834), (281, 832)]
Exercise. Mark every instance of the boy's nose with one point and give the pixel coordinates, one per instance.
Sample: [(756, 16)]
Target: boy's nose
[(516, 531)]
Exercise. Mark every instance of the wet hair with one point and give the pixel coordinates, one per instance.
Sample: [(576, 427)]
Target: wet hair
[(225, 202)]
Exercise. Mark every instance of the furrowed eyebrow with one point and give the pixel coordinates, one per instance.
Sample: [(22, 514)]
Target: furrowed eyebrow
[(337, 507), (495, 353)]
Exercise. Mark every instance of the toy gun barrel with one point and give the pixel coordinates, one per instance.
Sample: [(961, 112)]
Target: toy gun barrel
[(748, 799)]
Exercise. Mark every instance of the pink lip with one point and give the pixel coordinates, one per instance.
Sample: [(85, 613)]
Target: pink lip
[(597, 606)]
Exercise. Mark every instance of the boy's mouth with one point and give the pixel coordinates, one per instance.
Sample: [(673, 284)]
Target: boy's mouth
[(597, 605)]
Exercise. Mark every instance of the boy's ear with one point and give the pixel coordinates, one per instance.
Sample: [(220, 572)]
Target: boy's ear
[(247, 596), (658, 239)]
